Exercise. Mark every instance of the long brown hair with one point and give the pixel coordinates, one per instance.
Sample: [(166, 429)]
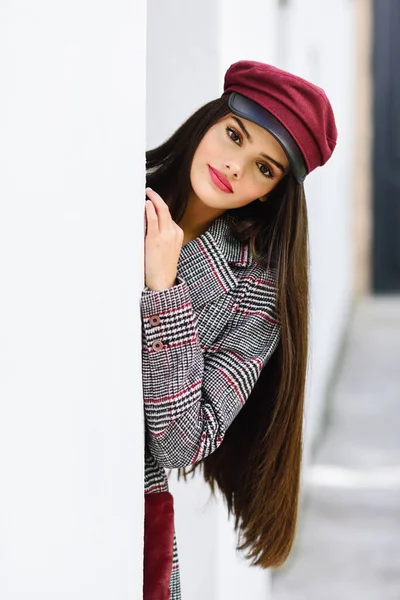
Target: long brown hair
[(257, 466)]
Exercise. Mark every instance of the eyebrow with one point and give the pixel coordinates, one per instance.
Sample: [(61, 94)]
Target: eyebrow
[(248, 136)]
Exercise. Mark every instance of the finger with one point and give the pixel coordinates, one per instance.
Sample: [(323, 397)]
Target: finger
[(180, 234), (151, 217), (164, 216)]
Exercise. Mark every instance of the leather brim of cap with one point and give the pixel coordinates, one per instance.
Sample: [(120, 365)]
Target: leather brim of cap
[(246, 108)]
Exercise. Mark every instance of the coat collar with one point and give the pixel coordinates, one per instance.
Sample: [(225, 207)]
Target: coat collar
[(206, 262)]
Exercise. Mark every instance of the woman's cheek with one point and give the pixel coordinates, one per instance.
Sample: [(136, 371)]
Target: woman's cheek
[(254, 192)]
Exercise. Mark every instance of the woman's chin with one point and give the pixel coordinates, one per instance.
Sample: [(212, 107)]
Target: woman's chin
[(212, 198)]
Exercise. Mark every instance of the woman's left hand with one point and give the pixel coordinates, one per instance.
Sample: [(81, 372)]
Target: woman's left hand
[(163, 244)]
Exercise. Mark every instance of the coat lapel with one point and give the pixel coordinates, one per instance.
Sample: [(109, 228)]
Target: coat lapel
[(206, 262)]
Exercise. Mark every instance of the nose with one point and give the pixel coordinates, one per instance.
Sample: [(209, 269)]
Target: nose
[(233, 169)]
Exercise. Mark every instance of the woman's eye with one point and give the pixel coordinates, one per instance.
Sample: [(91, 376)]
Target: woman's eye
[(265, 170), (235, 137)]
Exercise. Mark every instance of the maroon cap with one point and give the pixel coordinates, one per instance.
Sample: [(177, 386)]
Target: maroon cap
[(297, 112)]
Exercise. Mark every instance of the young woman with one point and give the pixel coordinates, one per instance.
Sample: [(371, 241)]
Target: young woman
[(225, 309)]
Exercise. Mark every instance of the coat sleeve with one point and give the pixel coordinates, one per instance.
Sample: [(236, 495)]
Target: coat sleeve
[(191, 394)]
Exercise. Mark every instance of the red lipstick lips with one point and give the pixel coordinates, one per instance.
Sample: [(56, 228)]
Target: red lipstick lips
[(220, 180)]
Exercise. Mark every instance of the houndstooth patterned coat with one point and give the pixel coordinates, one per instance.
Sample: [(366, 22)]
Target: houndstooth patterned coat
[(205, 341)]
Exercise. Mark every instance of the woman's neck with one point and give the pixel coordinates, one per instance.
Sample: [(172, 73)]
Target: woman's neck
[(196, 219)]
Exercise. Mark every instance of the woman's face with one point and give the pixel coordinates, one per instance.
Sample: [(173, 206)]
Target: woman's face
[(236, 163)]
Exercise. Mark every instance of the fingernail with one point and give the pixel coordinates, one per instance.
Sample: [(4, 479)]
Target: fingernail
[(149, 188)]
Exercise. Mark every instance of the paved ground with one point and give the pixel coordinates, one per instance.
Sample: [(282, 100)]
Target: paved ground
[(348, 545)]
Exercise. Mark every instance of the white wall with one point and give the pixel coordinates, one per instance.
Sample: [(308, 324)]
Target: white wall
[(71, 213), (190, 46)]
